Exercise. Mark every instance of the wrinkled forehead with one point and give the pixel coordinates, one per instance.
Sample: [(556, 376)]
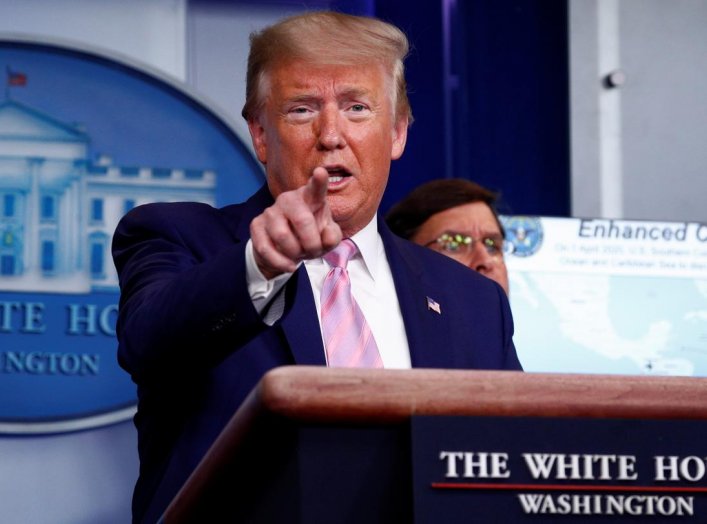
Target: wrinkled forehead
[(323, 64), (350, 75)]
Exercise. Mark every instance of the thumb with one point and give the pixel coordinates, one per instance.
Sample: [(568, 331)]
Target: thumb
[(331, 236)]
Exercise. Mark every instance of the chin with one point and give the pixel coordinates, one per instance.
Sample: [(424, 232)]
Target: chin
[(342, 214)]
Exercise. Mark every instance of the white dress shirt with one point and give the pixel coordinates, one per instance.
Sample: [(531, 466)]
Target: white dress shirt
[(371, 284)]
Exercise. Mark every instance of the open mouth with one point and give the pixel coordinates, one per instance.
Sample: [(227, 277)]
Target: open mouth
[(337, 174)]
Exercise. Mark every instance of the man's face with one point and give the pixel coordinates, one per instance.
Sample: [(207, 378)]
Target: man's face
[(473, 221), (338, 117)]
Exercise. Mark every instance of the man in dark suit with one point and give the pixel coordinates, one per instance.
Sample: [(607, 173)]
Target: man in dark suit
[(211, 299), (458, 218)]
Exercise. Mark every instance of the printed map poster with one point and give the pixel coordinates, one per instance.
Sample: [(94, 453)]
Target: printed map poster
[(608, 296)]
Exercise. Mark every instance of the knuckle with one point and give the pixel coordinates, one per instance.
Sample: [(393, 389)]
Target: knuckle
[(256, 224), (302, 219), (269, 214), (280, 235)]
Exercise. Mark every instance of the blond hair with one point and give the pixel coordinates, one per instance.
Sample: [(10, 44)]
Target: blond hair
[(327, 38)]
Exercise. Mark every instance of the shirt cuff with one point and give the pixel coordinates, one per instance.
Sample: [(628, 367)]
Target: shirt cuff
[(262, 291)]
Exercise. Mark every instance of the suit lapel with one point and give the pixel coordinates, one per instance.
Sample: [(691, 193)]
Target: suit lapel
[(428, 331), (299, 322)]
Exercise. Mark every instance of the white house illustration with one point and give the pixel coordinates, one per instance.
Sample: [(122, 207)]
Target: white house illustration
[(58, 209)]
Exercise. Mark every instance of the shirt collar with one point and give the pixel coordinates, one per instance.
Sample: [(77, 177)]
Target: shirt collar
[(369, 245)]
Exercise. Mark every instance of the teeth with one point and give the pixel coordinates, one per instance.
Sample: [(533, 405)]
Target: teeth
[(335, 179)]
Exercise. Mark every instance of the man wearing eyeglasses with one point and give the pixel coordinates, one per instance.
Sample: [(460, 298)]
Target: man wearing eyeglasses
[(458, 218)]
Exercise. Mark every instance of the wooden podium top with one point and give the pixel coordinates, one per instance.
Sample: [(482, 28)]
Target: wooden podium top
[(319, 394), (341, 396)]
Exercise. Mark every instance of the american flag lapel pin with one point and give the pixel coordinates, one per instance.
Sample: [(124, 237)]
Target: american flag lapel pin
[(433, 305)]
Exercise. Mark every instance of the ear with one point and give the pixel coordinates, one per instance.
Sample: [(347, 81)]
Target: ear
[(259, 139), (400, 136)]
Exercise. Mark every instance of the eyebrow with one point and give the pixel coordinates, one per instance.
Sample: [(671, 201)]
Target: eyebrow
[(301, 99), (354, 92), (345, 94), (485, 233)]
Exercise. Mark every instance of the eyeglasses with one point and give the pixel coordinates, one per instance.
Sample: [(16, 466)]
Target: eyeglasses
[(457, 244)]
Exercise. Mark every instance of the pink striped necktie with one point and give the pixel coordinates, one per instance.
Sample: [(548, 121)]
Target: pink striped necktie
[(347, 336)]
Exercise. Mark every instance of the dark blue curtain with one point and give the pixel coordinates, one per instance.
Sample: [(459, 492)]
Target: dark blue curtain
[(499, 113)]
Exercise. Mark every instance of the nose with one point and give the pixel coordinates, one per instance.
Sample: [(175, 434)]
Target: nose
[(480, 259), (330, 132)]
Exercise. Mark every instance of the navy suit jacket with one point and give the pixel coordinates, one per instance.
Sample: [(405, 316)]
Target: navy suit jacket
[(195, 346)]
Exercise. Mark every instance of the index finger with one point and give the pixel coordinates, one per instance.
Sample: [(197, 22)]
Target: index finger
[(316, 188)]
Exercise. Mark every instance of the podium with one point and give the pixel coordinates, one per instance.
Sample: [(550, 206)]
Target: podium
[(313, 444)]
